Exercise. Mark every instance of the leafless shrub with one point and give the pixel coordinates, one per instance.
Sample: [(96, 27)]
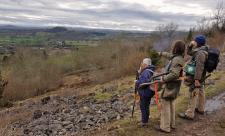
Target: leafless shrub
[(30, 74), (219, 15), (167, 30)]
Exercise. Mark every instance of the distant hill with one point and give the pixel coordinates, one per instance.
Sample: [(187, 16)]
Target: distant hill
[(57, 29), (64, 33)]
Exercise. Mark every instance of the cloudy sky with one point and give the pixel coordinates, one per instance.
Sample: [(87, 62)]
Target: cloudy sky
[(116, 14)]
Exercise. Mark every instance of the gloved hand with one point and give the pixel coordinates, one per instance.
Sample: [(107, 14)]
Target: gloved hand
[(161, 80), (197, 84), (192, 44)]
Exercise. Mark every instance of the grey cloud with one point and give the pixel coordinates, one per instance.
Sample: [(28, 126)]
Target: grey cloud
[(114, 14), (202, 3)]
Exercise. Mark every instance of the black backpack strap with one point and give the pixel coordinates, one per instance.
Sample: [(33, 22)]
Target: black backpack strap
[(205, 51)]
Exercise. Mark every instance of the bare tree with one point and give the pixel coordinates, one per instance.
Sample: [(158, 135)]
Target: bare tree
[(170, 29), (167, 30), (204, 25), (166, 33), (219, 15)]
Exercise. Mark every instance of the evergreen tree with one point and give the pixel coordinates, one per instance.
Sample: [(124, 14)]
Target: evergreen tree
[(189, 36)]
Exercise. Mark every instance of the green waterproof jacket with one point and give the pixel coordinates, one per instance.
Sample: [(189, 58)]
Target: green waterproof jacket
[(172, 82)]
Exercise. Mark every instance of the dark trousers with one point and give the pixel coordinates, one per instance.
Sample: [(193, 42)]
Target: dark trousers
[(145, 100)]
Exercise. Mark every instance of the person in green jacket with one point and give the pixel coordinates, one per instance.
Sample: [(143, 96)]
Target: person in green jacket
[(172, 86)]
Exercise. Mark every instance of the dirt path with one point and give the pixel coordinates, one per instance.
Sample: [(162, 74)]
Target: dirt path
[(208, 125), (211, 124)]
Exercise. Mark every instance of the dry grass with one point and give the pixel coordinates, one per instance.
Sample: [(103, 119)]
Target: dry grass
[(217, 40), (30, 73), (10, 117)]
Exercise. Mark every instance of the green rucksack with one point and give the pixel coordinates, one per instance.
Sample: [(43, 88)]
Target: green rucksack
[(212, 60), (189, 69)]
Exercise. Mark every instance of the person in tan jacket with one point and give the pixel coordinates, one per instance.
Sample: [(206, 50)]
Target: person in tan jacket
[(198, 50), (172, 86)]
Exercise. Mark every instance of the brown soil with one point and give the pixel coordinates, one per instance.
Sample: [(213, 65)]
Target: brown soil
[(207, 125)]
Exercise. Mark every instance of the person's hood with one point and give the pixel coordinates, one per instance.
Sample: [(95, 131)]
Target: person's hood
[(198, 49), (150, 67)]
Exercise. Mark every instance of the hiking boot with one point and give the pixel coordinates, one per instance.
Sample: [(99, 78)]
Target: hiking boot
[(199, 112), (173, 128), (157, 128), (184, 116), (143, 124)]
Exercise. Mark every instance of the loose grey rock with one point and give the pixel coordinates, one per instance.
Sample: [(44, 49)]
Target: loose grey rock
[(71, 115), (45, 100), (37, 114)]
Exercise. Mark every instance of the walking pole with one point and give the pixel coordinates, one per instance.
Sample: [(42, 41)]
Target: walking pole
[(156, 95), (135, 95)]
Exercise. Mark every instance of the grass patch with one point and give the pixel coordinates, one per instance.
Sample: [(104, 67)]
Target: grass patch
[(102, 96), (31, 40), (219, 85)]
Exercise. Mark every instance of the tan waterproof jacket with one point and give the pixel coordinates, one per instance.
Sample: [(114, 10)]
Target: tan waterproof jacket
[(199, 55), (172, 82)]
